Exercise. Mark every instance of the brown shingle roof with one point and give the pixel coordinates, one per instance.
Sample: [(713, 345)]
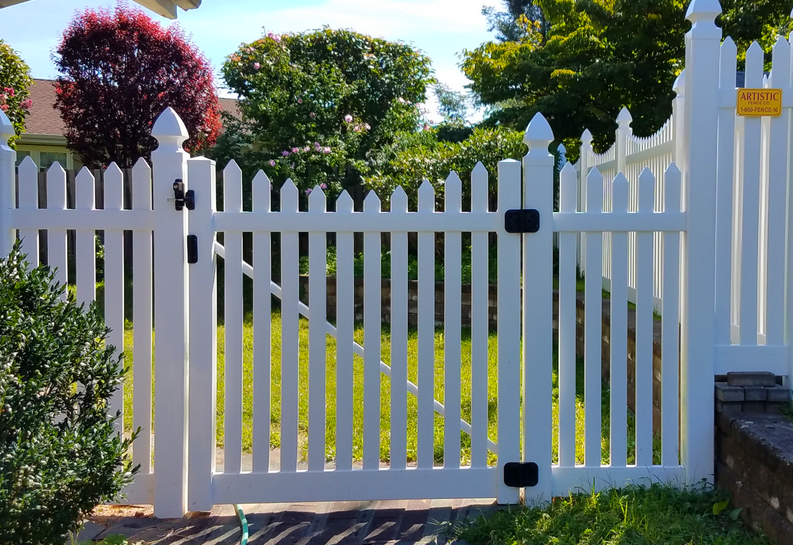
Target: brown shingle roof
[(44, 119)]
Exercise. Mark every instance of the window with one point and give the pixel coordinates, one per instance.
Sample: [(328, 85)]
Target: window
[(21, 156), (48, 158)]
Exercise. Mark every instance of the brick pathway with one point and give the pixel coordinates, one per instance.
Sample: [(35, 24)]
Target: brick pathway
[(339, 523)]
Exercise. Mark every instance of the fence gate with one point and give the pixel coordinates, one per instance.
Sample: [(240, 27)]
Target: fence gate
[(336, 408)]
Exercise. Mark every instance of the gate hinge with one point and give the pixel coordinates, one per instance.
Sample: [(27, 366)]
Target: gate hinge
[(182, 198), (525, 220), (521, 474), (192, 249)]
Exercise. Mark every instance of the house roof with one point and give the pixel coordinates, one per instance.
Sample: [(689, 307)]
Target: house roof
[(44, 119), (166, 8)]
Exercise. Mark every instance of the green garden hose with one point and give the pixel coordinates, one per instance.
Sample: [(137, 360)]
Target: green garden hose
[(243, 524)]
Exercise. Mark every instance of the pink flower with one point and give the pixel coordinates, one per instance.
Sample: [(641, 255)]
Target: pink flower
[(323, 186), (4, 107), (285, 153), (26, 104), (326, 149), (367, 126), (317, 146), (10, 91), (312, 115), (348, 118), (272, 163), (295, 150), (2, 98), (256, 65), (426, 127), (401, 100), (300, 101), (307, 148), (308, 191)]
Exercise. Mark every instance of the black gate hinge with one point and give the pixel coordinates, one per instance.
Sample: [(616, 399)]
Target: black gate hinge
[(525, 220), (521, 474), (181, 197), (192, 249)]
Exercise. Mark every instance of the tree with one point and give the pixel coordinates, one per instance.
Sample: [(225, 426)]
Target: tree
[(14, 83), (749, 20), (510, 25), (60, 454), (119, 71), (318, 104)]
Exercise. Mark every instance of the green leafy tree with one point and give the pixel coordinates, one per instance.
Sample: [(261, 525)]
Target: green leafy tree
[(510, 25), (600, 55), (60, 454), (318, 104), (14, 82)]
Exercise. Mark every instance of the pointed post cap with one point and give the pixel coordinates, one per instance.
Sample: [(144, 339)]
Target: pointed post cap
[(586, 137), (538, 134), (561, 149), (702, 11), (169, 130), (6, 129), (624, 119)]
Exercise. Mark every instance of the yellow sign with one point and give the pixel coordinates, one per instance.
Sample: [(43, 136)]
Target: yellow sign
[(760, 102)]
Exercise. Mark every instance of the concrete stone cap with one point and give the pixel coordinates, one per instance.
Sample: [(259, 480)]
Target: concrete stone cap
[(729, 394), (751, 378), (778, 394), (755, 393)]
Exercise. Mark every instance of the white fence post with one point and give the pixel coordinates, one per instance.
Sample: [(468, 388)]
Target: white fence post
[(624, 131), (698, 315), (169, 162), (203, 341), (7, 175), (538, 307), (509, 174), (583, 161), (678, 119)]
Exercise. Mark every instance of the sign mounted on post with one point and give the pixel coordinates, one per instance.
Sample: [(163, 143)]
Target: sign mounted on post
[(759, 102)]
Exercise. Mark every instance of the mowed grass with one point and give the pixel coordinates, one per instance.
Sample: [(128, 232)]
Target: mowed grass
[(385, 395), (657, 515)]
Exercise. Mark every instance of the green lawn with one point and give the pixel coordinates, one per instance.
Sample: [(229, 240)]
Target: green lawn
[(385, 392), (657, 515)]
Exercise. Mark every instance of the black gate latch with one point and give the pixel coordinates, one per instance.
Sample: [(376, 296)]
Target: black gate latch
[(182, 198), (526, 220), (192, 249), (521, 475)]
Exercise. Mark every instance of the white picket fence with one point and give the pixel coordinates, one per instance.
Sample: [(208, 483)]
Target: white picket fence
[(672, 211)]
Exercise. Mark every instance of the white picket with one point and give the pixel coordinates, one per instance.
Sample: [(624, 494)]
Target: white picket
[(114, 280), (56, 238), (372, 317), (567, 322), (480, 314), (453, 201), (399, 335), (778, 138), (618, 341), (29, 203), (85, 250), (317, 350), (289, 333), (142, 317), (670, 326), (426, 331), (345, 316), (232, 315), (644, 327), (724, 194), (751, 205), (593, 325), (262, 303)]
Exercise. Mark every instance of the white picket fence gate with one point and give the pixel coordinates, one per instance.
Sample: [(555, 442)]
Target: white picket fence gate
[(177, 301)]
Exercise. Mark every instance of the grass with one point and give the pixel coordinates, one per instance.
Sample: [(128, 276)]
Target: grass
[(658, 515), (385, 395)]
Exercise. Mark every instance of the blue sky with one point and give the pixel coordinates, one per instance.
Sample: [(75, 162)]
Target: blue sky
[(440, 28)]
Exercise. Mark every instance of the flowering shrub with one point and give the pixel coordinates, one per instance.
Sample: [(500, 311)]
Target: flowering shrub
[(119, 71), (318, 104), (417, 157), (14, 83)]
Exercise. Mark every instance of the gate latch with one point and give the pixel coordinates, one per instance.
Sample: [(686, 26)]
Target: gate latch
[(182, 198), (525, 220), (521, 474)]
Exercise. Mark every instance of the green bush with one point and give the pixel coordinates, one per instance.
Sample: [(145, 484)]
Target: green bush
[(14, 82), (60, 455)]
